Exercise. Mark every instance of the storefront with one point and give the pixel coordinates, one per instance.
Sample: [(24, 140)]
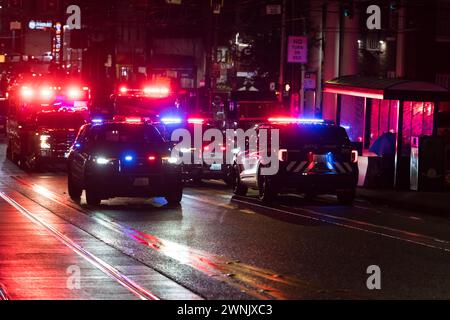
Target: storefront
[(387, 110)]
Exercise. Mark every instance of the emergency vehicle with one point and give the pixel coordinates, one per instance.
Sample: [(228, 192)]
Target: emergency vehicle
[(44, 115), (149, 99), (315, 157)]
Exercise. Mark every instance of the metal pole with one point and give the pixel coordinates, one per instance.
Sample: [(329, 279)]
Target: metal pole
[(282, 51), (398, 147)]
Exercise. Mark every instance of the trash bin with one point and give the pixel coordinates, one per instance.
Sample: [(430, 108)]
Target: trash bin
[(427, 166)]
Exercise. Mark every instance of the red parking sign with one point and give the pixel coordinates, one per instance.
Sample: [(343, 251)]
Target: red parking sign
[(297, 49)]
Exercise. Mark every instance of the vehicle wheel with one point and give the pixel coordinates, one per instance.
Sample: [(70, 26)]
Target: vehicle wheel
[(176, 193), (238, 188), (267, 188), (92, 197), (74, 191), (228, 177), (346, 197)]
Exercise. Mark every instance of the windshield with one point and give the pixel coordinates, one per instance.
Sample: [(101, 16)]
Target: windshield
[(125, 134), (300, 135), (60, 120)]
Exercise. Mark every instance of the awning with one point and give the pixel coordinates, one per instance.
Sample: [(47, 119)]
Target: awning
[(388, 89)]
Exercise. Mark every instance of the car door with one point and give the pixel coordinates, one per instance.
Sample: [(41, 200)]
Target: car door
[(250, 162), (79, 155)]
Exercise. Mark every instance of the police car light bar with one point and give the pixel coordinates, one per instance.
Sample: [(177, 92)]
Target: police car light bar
[(195, 121), (171, 120), (295, 120), (97, 121)]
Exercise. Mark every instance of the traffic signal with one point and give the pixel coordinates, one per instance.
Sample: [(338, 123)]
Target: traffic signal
[(393, 5), (347, 9)]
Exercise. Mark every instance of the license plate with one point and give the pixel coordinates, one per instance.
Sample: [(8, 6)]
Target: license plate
[(216, 167), (141, 182), (320, 158)]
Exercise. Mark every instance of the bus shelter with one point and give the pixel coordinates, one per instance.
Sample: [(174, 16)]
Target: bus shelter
[(371, 109)]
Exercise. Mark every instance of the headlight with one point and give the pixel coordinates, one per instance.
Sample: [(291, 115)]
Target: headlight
[(44, 142), (103, 161), (171, 160)]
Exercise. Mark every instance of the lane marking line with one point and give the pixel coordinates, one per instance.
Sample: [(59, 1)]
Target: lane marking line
[(106, 268)]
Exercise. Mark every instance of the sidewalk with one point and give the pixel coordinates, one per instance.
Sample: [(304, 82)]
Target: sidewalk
[(435, 203)]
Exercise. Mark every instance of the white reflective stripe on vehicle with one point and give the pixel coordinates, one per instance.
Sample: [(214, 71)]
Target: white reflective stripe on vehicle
[(339, 167), (300, 166), (291, 165), (348, 166)]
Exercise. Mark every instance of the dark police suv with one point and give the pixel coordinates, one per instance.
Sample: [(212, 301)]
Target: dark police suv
[(123, 158), (314, 157)]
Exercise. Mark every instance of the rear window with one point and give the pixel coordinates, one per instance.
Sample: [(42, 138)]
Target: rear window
[(60, 120), (299, 135), (125, 134)]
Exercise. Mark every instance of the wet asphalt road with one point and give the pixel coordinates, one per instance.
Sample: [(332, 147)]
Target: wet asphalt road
[(221, 247)]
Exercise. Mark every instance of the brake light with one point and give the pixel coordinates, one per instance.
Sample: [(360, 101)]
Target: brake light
[(282, 155), (223, 148), (151, 158), (196, 121), (310, 156), (354, 156)]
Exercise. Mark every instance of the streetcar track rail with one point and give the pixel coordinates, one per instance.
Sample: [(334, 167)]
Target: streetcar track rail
[(243, 277), (367, 227), (100, 264)]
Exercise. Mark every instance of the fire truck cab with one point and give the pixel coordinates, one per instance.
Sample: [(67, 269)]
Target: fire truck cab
[(43, 119)]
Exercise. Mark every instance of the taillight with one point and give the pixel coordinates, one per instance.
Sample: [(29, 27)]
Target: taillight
[(282, 155), (311, 156), (151, 158), (354, 156)]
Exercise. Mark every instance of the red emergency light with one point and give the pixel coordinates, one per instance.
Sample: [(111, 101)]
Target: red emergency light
[(156, 91), (196, 121)]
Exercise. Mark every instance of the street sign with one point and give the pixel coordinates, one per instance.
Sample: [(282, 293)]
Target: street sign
[(310, 81), (297, 49), (15, 25)]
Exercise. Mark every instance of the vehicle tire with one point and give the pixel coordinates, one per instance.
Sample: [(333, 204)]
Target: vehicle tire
[(267, 188), (92, 197), (228, 177), (74, 191), (238, 188), (346, 197), (175, 195)]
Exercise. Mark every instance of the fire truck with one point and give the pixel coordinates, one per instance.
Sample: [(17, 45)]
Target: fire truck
[(43, 118)]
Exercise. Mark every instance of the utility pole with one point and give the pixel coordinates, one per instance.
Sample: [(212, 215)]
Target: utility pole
[(282, 51)]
